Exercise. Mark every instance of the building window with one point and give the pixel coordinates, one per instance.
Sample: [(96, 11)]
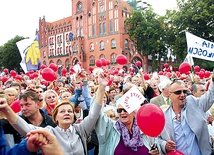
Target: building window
[(113, 43), (92, 61), (101, 28), (104, 28), (91, 47), (102, 45), (111, 26), (79, 7), (126, 44), (113, 58), (94, 30)]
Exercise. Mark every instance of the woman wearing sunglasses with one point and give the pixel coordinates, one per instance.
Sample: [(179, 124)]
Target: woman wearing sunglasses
[(186, 127), (122, 137)]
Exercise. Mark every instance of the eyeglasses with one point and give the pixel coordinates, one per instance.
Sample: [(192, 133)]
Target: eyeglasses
[(178, 92), (119, 110)]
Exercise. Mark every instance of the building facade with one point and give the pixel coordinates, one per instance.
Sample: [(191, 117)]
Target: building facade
[(94, 30)]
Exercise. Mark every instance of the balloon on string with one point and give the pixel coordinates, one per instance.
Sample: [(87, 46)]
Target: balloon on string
[(175, 152), (64, 71), (103, 62), (35, 75), (184, 67), (121, 59), (6, 70), (53, 66), (91, 69), (16, 106), (18, 77), (150, 119), (138, 63), (196, 69), (207, 74), (98, 63), (146, 76), (48, 74), (12, 73), (4, 79), (166, 65), (107, 62), (43, 66)]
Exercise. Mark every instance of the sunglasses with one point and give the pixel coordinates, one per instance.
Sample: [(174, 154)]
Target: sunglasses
[(119, 110), (178, 92)]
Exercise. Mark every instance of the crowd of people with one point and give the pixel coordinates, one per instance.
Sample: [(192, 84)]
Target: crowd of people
[(81, 114)]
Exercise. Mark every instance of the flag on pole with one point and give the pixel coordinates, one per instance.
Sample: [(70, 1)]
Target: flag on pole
[(189, 59), (199, 48), (30, 54)]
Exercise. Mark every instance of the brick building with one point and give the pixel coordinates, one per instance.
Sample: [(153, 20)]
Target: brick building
[(94, 30)]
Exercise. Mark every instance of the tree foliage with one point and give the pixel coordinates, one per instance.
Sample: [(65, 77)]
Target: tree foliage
[(194, 16), (10, 56), (147, 31)]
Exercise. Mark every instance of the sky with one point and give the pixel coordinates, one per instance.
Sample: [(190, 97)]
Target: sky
[(21, 17)]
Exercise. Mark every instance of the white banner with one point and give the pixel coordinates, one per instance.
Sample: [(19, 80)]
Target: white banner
[(199, 48), (131, 100)]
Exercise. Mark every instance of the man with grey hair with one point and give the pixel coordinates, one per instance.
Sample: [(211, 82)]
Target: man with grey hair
[(198, 89), (163, 98)]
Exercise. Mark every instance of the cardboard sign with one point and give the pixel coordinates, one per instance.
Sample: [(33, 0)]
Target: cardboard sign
[(131, 100)]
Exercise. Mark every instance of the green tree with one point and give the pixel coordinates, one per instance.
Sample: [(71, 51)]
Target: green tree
[(146, 30), (10, 56), (194, 16)]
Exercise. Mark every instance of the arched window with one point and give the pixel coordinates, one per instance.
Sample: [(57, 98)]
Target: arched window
[(113, 43), (91, 47), (102, 45), (92, 60)]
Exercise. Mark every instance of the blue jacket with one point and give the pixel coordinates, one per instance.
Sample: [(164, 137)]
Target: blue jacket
[(20, 148)]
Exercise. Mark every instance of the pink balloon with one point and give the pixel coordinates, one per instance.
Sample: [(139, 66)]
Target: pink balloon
[(98, 63)]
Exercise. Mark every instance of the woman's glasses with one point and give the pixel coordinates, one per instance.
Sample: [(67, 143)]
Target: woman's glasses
[(119, 110), (178, 92)]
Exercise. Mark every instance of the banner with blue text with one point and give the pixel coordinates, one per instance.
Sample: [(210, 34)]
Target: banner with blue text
[(199, 48)]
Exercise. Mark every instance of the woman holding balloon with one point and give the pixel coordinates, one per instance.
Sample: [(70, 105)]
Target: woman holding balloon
[(124, 136)]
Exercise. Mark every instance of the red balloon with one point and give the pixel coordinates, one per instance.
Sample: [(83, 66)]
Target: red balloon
[(150, 119), (121, 59), (18, 77), (5, 70), (98, 63), (196, 69), (201, 74), (160, 73), (35, 75), (91, 69), (146, 76), (166, 65), (110, 82), (53, 66), (4, 79), (176, 152), (64, 71), (107, 62), (45, 83), (48, 74), (12, 73), (16, 106), (184, 67), (138, 63), (207, 74), (43, 66), (103, 62)]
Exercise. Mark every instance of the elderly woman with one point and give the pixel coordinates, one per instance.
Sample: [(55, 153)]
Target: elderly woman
[(71, 137), (12, 94), (122, 137), (50, 100)]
